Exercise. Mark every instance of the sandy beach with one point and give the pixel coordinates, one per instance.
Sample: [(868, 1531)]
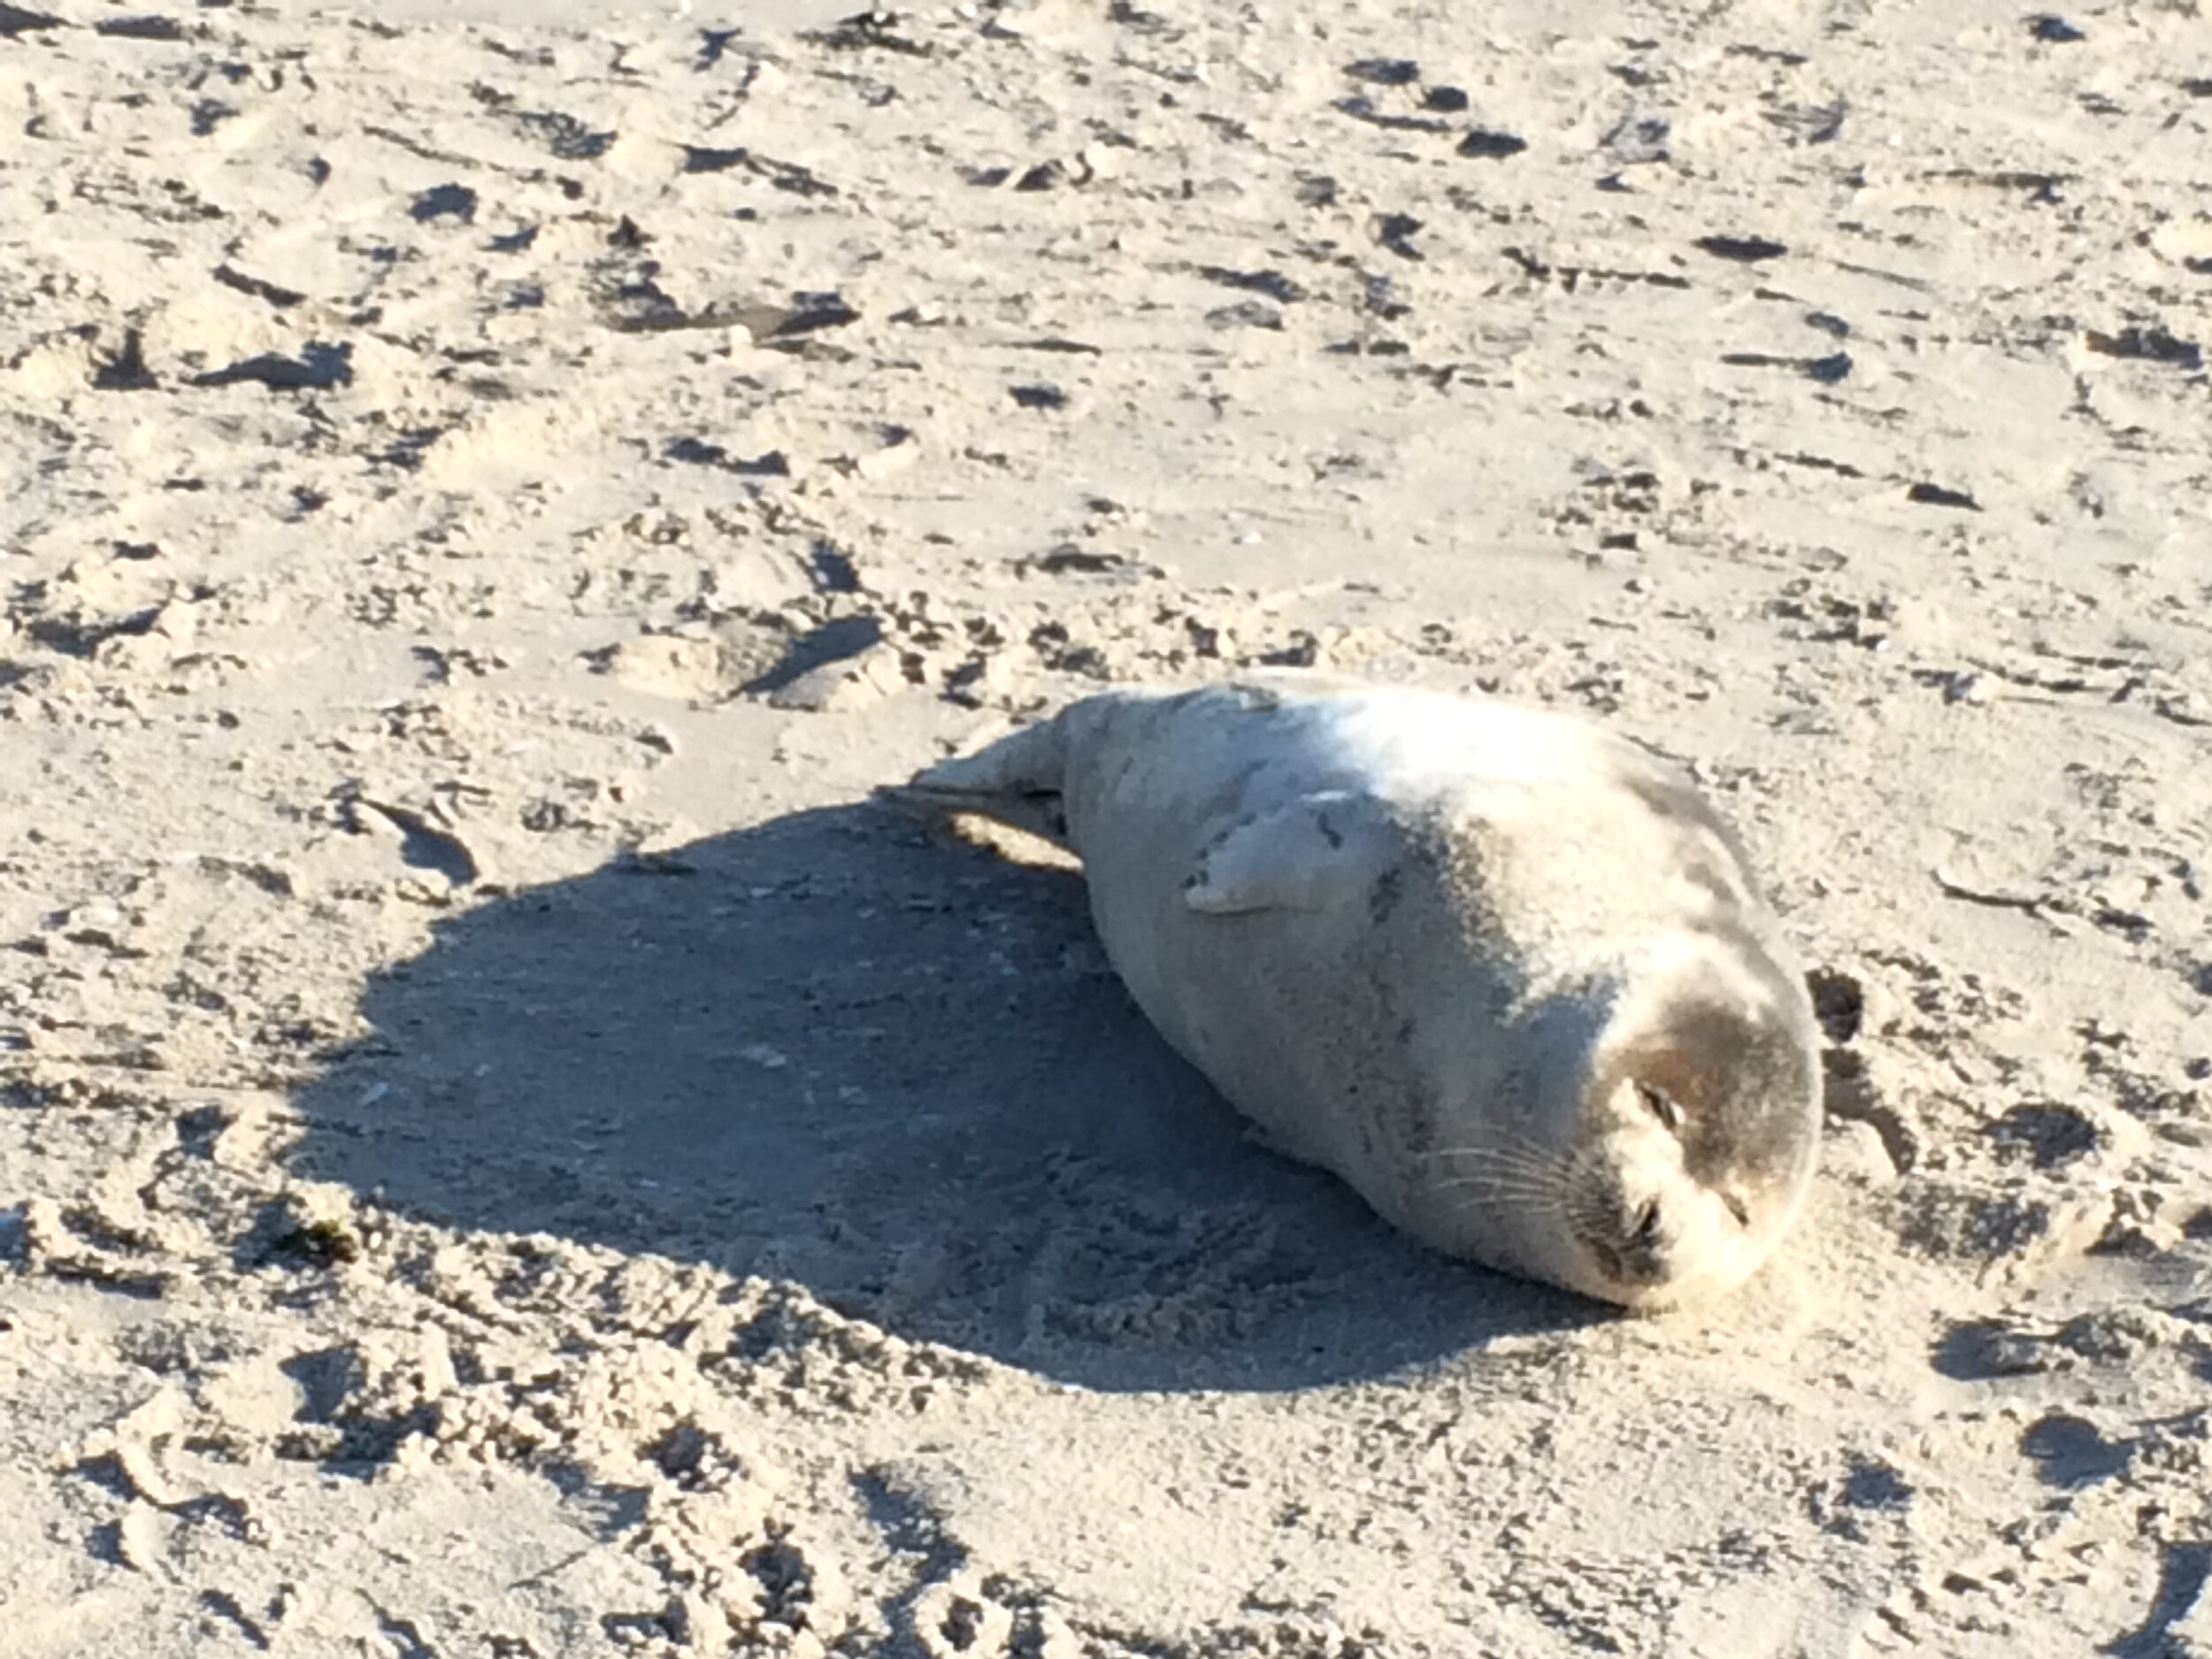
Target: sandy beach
[(506, 1151)]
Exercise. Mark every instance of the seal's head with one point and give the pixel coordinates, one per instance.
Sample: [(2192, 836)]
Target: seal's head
[(1699, 1126), (1670, 1156)]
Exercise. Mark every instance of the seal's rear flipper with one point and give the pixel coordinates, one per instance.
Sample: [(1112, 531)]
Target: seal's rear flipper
[(1015, 781)]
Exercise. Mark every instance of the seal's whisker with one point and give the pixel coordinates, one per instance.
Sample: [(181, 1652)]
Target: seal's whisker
[(1507, 1204), (1505, 1141), (1534, 1181), (1524, 1156), (1529, 1152), (1485, 1158), (1549, 1196)]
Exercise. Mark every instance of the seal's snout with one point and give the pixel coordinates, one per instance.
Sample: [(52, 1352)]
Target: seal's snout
[(1634, 1244)]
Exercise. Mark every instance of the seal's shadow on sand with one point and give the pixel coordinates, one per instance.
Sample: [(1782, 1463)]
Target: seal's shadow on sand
[(903, 1076)]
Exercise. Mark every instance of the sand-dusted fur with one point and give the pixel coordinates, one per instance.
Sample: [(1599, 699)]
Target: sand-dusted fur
[(1504, 972)]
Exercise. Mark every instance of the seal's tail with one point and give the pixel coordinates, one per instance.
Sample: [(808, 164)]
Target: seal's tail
[(1016, 781)]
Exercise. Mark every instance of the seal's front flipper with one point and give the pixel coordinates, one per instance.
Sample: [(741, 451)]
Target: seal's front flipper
[(1318, 851), (1015, 781)]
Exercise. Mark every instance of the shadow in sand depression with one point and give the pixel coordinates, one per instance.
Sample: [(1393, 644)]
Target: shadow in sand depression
[(903, 1076)]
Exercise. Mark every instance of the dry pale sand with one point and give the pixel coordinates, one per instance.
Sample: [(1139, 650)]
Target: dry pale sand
[(502, 1153)]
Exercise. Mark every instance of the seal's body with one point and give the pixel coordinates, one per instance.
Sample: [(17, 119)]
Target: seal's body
[(1504, 972)]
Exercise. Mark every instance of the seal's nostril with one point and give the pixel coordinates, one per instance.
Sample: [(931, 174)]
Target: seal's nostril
[(1647, 1224)]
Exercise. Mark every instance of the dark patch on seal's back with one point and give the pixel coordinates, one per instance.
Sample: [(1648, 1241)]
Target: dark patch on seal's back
[(1670, 798), (1230, 797), (1723, 872), (1786, 989), (1676, 800), (1222, 837), (1420, 1121), (1383, 896), (1707, 877)]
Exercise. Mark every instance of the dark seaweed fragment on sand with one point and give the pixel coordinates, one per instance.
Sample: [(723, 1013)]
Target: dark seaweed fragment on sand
[(705, 158), (139, 28), (1827, 370), (15, 20), (1488, 146), (2152, 345), (1385, 72), (1937, 496), (1743, 250), (444, 200), (231, 277)]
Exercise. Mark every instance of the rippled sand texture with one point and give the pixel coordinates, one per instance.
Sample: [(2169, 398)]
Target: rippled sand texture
[(502, 1152)]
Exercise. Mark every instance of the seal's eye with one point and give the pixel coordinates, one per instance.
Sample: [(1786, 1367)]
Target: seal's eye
[(1660, 1105)]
